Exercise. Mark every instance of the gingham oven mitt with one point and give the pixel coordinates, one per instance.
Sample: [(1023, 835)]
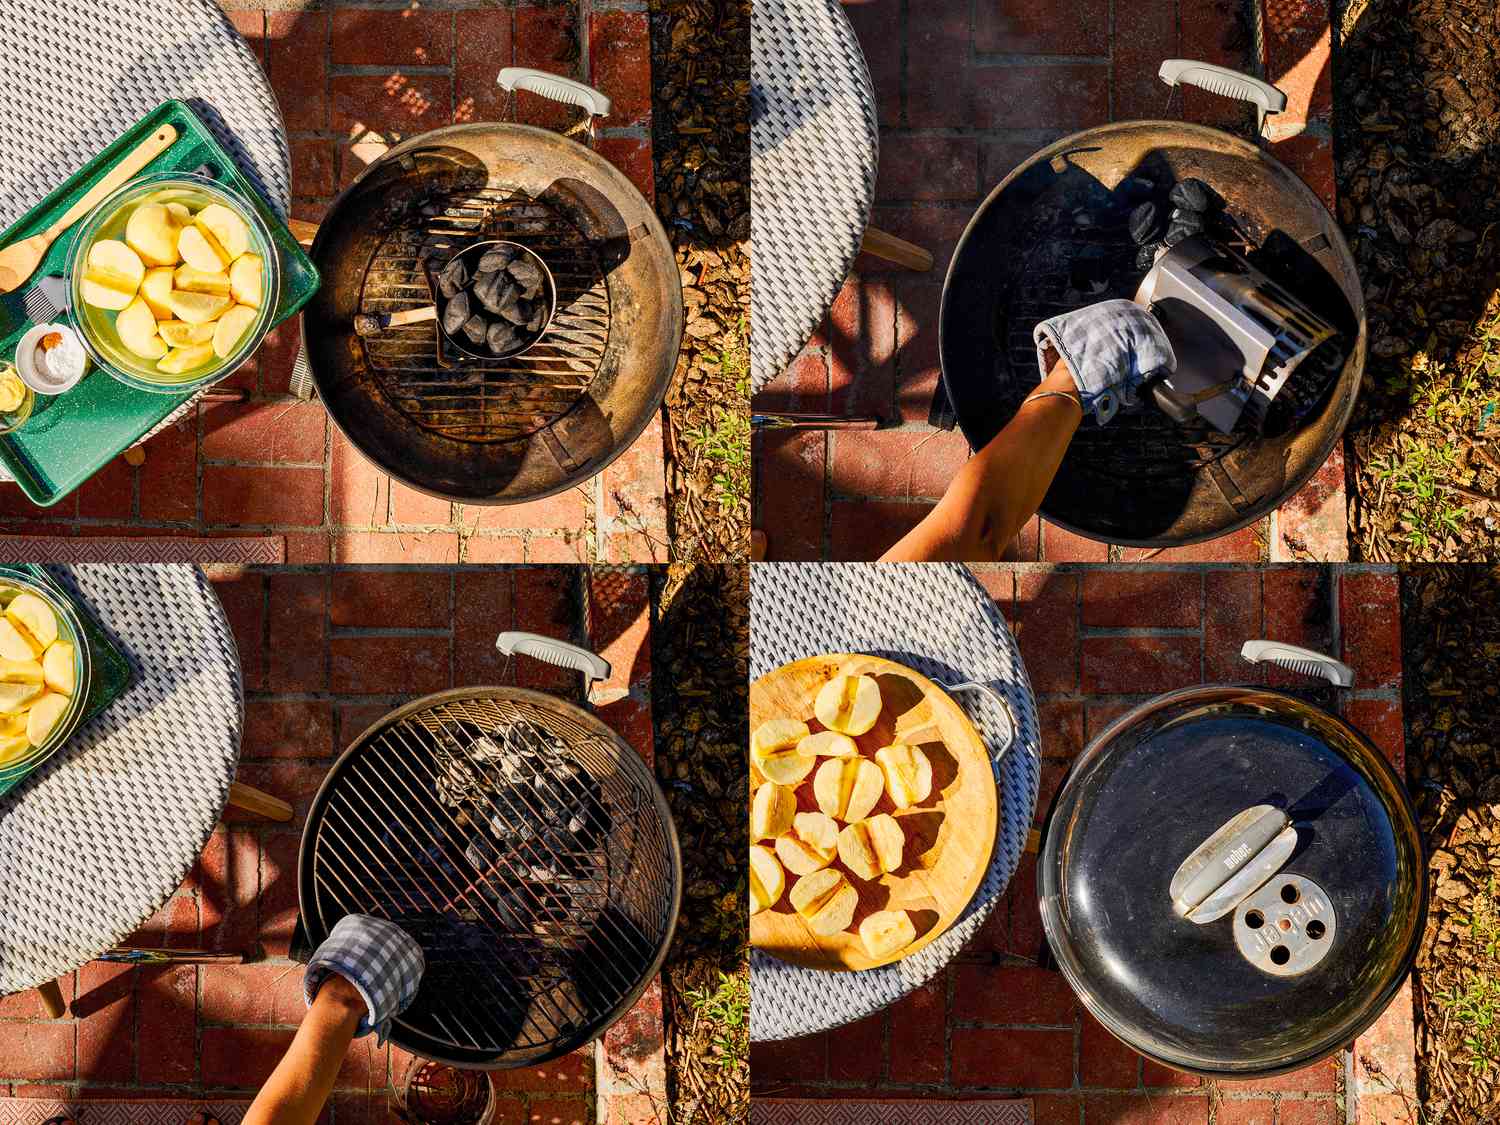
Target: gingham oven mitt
[(379, 959), (1111, 348)]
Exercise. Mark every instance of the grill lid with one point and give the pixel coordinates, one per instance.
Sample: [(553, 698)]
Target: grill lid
[(1232, 880)]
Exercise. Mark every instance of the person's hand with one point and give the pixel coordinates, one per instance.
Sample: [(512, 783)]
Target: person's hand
[(1110, 349), (379, 959)]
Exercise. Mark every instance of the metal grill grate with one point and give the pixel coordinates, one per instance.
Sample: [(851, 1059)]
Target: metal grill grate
[(523, 852), (486, 400)]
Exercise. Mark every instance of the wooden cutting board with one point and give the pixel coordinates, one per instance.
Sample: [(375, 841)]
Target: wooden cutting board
[(949, 837)]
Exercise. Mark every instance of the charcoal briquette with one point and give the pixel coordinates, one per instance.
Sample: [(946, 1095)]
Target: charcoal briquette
[(455, 313), (501, 337), (529, 275), (510, 307), (1194, 195), (475, 328), (1176, 232), (1146, 257), (497, 259), (489, 289), (538, 319), (1134, 189), (453, 278), (1190, 221), (1144, 223)]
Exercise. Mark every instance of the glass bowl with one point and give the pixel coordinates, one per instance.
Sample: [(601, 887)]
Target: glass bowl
[(69, 629), (97, 326)]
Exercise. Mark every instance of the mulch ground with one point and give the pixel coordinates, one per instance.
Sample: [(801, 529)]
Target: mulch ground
[(1453, 771), (700, 63), (1417, 121), (702, 634)]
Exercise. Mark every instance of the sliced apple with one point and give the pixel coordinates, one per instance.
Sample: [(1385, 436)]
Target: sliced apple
[(181, 214), (871, 848), (15, 698), (179, 333), (136, 325), (908, 774), (12, 747), (847, 788), (232, 328), (57, 668), (775, 734), (44, 715), (189, 279), (152, 233), (828, 744), (35, 618), (21, 671), (773, 749), (225, 228), (886, 931), (14, 645), (11, 725), (179, 361), (245, 279), (771, 810), (767, 879), (826, 901), (156, 287), (810, 845), (112, 274), (201, 250), (848, 704), (197, 308)]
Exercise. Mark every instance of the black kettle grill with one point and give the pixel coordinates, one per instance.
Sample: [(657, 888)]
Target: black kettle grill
[(1232, 878)]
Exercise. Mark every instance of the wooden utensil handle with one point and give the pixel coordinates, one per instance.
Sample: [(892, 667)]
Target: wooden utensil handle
[(412, 316), (243, 796), (52, 1000), (303, 231), (136, 159)]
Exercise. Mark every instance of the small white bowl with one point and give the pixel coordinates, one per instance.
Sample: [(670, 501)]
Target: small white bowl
[(39, 381)]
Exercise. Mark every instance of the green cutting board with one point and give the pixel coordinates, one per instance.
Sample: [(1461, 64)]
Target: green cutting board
[(109, 671), (70, 437)]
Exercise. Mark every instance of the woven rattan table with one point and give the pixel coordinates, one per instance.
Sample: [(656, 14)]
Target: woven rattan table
[(939, 620), (78, 73), (103, 833), (814, 148)]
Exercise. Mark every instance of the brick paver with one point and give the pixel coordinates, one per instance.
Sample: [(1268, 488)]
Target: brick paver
[(965, 92), (353, 78), (1097, 642), (326, 652)]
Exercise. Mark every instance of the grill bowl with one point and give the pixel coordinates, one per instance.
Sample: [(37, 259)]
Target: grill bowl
[(523, 964)]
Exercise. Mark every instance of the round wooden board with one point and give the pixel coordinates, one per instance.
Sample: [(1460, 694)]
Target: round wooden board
[(949, 837)]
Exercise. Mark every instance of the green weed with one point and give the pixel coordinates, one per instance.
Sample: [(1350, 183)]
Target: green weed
[(727, 1010)]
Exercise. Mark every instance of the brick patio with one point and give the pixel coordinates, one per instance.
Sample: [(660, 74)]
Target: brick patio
[(325, 652), (1097, 641), (353, 78), (965, 92)]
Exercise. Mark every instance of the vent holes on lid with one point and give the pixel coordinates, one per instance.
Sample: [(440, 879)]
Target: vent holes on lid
[(1255, 919), (1316, 929), (1289, 893), (1280, 955)]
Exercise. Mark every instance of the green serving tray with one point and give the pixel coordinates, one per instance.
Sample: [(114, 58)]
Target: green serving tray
[(109, 670), (71, 437)]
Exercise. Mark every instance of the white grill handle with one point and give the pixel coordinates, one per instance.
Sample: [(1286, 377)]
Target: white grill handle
[(554, 86), (553, 651), (1227, 83)]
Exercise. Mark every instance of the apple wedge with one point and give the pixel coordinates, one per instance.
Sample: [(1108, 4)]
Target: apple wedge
[(767, 879), (848, 704), (179, 361), (886, 931), (57, 668), (201, 250), (112, 274), (21, 671), (828, 744), (14, 645), (156, 286), (232, 328), (35, 618), (826, 901), (15, 698), (12, 747), (773, 749), (152, 233), (137, 328), (197, 308), (189, 279), (811, 844), (246, 280), (43, 716), (179, 333), (871, 848), (908, 774), (771, 810), (181, 214), (847, 788), (226, 229)]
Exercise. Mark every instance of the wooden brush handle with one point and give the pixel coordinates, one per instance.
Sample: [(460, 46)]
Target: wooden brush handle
[(136, 159), (242, 796), (412, 316)]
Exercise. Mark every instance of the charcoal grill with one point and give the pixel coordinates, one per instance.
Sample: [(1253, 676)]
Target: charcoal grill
[(1052, 237), (522, 843), (499, 431)]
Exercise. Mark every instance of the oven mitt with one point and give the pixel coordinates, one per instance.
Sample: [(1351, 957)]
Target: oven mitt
[(379, 959), (1111, 348)]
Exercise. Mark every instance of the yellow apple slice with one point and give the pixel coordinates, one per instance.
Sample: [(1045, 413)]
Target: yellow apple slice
[(775, 734), (197, 308), (201, 250), (155, 288), (810, 845), (871, 848), (181, 214), (232, 328), (828, 744), (773, 749), (886, 931), (15, 698), (848, 704), (847, 788), (826, 901), (35, 619), (12, 747), (112, 274), (771, 811), (43, 716), (179, 361), (908, 774), (245, 279), (767, 879), (11, 725), (21, 672), (137, 328), (152, 233), (14, 645), (179, 333), (189, 279), (227, 230), (57, 667)]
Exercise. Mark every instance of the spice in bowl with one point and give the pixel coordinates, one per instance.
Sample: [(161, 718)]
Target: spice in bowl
[(50, 359)]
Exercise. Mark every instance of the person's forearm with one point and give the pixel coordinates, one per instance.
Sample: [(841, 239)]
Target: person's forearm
[(299, 1086), (1001, 486)]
